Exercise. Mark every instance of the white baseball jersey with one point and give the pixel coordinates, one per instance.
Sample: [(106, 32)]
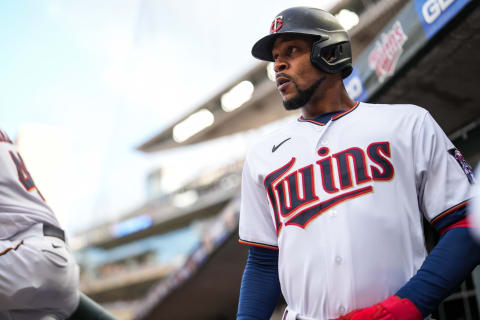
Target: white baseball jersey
[(21, 204), (343, 203)]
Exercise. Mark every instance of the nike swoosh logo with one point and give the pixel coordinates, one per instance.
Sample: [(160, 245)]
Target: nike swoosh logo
[(55, 246), (276, 147)]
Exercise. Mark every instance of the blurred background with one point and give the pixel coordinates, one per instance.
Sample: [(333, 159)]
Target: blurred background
[(134, 118)]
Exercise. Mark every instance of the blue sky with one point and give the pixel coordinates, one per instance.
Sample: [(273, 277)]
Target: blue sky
[(112, 74)]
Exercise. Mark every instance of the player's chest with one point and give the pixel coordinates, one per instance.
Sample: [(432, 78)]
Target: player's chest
[(309, 173), (343, 152), (323, 163)]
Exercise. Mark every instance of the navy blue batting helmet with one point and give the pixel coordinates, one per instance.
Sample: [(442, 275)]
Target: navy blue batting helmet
[(331, 37)]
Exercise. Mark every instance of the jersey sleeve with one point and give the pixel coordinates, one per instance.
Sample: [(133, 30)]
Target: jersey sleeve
[(442, 175), (256, 226)]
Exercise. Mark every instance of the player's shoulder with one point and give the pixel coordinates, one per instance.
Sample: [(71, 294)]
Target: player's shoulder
[(398, 109), (393, 112)]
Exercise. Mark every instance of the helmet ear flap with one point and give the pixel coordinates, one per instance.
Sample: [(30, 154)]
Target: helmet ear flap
[(332, 58)]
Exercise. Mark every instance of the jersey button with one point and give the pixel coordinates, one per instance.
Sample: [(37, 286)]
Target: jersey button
[(341, 310), (338, 259)]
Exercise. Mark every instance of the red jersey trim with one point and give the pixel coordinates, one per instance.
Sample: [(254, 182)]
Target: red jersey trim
[(338, 116), (4, 137), (464, 223), (256, 244), (448, 211), (335, 117)]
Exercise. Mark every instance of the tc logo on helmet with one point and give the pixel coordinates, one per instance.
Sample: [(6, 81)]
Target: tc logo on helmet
[(276, 24)]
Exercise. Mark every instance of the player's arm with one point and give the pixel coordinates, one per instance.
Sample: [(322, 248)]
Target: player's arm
[(443, 187), (260, 287), (444, 269), (444, 179), (450, 262)]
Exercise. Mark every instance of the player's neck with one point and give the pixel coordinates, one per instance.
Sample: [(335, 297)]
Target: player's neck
[(329, 101)]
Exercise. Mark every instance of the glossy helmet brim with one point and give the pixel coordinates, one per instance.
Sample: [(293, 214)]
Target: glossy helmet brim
[(262, 49)]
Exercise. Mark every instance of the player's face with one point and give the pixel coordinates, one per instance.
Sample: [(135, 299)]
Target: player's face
[(297, 79)]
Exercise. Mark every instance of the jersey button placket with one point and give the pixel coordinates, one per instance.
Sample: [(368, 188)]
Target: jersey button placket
[(322, 130)]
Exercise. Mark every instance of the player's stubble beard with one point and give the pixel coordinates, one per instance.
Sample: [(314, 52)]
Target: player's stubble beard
[(303, 96)]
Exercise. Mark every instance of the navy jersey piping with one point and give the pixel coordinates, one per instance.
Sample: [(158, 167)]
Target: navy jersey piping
[(333, 118)]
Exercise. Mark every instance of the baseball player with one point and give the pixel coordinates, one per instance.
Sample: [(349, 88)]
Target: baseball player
[(332, 204), (38, 274)]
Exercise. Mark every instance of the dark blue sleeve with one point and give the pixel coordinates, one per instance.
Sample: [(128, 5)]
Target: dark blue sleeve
[(260, 287), (444, 269)]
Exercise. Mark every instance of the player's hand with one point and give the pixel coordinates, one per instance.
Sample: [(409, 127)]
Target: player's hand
[(392, 308)]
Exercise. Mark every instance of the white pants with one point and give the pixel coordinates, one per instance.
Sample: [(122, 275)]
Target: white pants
[(38, 277), (290, 314)]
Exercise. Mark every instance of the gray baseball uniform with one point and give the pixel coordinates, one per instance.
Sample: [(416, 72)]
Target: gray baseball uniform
[(38, 274)]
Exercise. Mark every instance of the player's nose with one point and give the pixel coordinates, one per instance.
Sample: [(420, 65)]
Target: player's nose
[(279, 65)]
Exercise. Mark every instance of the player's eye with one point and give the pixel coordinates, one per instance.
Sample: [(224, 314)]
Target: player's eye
[(291, 50)]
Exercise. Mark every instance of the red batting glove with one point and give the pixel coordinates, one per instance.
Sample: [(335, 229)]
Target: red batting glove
[(393, 308)]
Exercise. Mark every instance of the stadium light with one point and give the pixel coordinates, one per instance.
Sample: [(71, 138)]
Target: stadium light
[(348, 19), (193, 125), (185, 199), (237, 96)]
